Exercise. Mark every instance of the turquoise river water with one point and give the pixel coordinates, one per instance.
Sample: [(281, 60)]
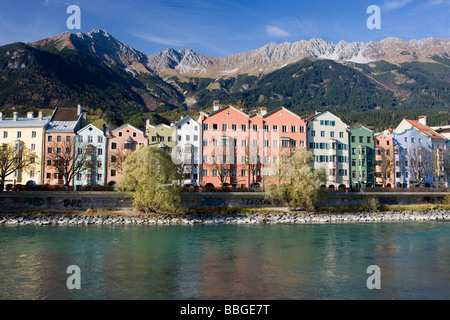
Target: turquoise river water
[(301, 261)]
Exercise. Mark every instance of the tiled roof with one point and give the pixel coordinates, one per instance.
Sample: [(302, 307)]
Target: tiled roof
[(425, 129), (66, 114)]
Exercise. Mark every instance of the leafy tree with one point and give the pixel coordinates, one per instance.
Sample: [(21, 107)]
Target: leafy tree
[(15, 158), (150, 175), (299, 185)]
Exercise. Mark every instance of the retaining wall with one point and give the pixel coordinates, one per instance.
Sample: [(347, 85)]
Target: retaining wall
[(81, 201)]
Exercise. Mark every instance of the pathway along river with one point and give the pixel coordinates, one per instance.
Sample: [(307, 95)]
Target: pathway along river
[(293, 261)]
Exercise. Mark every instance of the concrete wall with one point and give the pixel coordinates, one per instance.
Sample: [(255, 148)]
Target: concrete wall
[(81, 201)]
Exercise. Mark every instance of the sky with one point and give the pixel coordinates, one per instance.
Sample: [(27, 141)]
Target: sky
[(225, 27)]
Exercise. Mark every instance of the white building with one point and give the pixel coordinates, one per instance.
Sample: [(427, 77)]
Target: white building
[(188, 149), (328, 141)]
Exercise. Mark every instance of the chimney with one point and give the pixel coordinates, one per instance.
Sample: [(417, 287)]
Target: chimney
[(104, 129), (216, 105), (41, 115), (15, 115), (263, 111), (30, 115), (423, 120), (2, 116), (79, 109)]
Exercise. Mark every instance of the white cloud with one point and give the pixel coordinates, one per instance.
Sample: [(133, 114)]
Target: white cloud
[(389, 5), (277, 32)]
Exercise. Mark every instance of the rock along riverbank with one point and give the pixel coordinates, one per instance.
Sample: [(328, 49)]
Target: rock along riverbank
[(191, 219)]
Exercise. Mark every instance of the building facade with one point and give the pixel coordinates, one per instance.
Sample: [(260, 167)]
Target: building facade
[(361, 157), (122, 142), (60, 141), (242, 150), (384, 160), (161, 136), (328, 141), (419, 154), (25, 132), (188, 149), (94, 171)]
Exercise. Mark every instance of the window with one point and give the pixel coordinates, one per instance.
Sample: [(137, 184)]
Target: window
[(5, 134), (244, 127), (67, 150), (353, 139), (49, 138), (113, 172), (33, 147), (215, 126), (80, 139), (293, 143), (255, 127), (214, 172), (275, 143), (33, 134), (406, 139), (313, 133), (113, 145), (243, 143), (302, 129), (49, 162), (267, 143), (188, 138), (49, 150), (255, 143), (284, 128), (205, 172), (113, 159), (19, 134), (369, 139), (275, 128), (285, 143), (58, 138), (243, 173), (48, 175), (322, 133), (90, 139), (302, 143), (341, 134), (205, 127), (205, 158), (214, 142), (99, 177), (120, 134), (99, 151), (205, 142), (134, 134), (99, 139), (332, 134), (224, 127), (266, 128), (234, 127)]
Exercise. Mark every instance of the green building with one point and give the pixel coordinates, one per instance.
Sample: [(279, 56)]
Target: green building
[(361, 157), (161, 136)]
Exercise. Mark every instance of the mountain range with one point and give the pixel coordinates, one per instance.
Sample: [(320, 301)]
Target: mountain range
[(388, 79)]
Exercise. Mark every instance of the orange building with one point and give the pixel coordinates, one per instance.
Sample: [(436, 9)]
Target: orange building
[(121, 142), (384, 160), (243, 150)]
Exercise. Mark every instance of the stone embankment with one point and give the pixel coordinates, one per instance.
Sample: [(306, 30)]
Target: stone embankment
[(190, 219)]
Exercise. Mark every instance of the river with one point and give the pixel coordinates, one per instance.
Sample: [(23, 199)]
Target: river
[(259, 261)]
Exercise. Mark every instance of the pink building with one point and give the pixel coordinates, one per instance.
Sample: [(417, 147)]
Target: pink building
[(243, 150), (59, 140), (384, 160), (121, 142)]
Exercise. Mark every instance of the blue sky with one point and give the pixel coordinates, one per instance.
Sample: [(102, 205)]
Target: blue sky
[(224, 27)]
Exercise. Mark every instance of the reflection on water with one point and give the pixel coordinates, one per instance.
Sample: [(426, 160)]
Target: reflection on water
[(311, 261)]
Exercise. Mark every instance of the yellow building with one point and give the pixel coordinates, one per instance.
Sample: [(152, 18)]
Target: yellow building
[(162, 136), (29, 132)]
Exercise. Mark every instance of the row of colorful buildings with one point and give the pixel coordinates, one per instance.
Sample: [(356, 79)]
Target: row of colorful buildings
[(229, 147)]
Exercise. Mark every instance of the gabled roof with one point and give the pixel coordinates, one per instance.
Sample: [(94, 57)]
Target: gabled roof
[(284, 109), (223, 109), (90, 125), (426, 130), (127, 125), (361, 126)]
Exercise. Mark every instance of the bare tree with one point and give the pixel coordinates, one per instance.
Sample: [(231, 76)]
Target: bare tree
[(15, 158), (117, 157), (222, 163), (384, 164), (420, 164), (68, 162)]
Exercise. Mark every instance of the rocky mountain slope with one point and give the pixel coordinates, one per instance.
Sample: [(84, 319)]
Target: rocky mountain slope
[(98, 71)]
